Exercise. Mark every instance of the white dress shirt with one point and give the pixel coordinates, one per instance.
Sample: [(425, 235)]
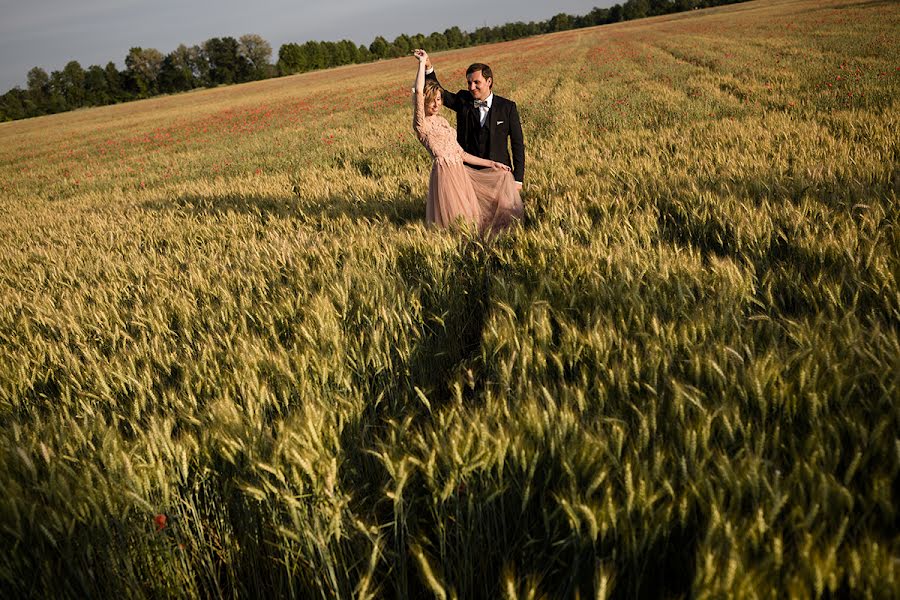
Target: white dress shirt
[(483, 110)]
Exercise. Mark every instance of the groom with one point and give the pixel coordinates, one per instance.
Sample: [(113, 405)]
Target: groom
[(486, 125)]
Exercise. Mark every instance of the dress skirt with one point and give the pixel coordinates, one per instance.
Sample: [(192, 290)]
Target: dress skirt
[(487, 199)]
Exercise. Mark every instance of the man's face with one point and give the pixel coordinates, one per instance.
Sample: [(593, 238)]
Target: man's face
[(479, 86)]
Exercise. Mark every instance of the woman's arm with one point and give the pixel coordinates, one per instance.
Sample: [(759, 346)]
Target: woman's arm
[(419, 124), (420, 74), (471, 159)]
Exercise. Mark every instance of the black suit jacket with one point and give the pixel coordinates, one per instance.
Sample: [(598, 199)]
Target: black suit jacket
[(504, 123)]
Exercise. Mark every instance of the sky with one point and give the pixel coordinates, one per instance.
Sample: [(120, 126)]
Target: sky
[(50, 33)]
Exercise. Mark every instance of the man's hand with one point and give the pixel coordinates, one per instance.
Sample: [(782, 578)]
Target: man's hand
[(518, 186)]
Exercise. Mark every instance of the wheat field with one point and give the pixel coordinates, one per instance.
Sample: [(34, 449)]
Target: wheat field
[(234, 362)]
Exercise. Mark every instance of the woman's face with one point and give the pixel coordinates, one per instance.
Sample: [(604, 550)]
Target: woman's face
[(433, 107)]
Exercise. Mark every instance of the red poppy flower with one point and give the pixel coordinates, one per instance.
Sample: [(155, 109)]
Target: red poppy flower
[(160, 521)]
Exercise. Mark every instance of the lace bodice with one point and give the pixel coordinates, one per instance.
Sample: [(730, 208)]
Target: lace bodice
[(436, 134)]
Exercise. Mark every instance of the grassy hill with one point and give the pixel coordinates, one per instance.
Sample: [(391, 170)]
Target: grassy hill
[(234, 361)]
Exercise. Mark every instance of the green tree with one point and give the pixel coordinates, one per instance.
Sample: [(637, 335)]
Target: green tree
[(258, 54), (616, 14), (226, 65), (314, 55), (661, 7), (482, 35), (57, 100), (96, 89), (143, 66), (199, 65), (512, 31), (347, 52), (401, 46), (363, 55), (12, 105), (417, 41), (291, 59), (114, 82), (177, 73), (330, 56), (184, 59), (73, 84), (436, 41), (598, 16), (379, 47), (636, 9), (455, 37), (38, 91), (560, 22)]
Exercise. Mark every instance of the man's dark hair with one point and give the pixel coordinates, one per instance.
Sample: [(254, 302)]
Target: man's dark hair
[(485, 71)]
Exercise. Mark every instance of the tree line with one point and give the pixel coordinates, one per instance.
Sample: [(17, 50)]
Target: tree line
[(217, 61)]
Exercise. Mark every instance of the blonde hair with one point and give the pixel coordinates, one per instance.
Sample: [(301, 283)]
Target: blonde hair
[(432, 88)]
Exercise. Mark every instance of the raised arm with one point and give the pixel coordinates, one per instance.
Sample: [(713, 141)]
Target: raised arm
[(419, 123), (451, 100), (423, 59)]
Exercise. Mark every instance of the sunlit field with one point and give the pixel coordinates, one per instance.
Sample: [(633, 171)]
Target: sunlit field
[(234, 362)]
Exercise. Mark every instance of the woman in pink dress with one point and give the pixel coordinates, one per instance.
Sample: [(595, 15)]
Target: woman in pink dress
[(488, 198)]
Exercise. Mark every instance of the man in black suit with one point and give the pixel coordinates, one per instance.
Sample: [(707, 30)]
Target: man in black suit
[(487, 125)]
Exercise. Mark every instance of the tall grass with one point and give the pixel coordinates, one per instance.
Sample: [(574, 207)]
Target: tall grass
[(234, 361)]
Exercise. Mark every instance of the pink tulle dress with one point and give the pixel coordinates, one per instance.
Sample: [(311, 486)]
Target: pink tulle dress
[(487, 199)]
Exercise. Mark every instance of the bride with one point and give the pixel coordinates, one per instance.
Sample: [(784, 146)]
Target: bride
[(487, 198)]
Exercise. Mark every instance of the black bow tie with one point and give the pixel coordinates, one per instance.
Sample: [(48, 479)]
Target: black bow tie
[(480, 103)]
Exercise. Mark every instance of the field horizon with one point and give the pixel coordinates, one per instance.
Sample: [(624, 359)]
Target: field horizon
[(234, 361)]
